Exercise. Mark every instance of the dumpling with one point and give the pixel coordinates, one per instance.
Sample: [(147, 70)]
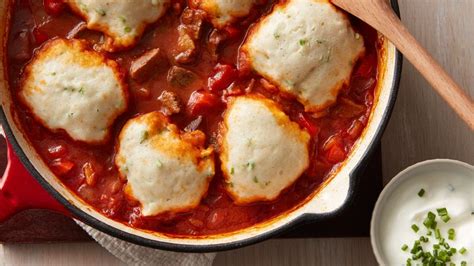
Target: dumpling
[(224, 12), (307, 48), (262, 150), (123, 21), (167, 171), (71, 87)]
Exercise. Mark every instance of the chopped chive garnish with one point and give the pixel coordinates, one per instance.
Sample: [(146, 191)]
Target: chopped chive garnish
[(100, 12), (451, 234), (418, 255), (431, 216), (145, 136), (442, 211), (428, 223), (445, 218), (463, 263), (421, 193), (443, 256), (303, 42), (440, 253), (251, 165), (232, 170)]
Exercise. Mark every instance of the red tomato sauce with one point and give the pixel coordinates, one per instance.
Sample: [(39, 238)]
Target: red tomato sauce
[(333, 132)]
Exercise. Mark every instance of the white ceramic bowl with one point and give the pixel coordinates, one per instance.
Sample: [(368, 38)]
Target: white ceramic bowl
[(420, 169)]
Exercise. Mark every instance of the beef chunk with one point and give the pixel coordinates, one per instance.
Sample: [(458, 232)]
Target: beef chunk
[(193, 20), (186, 47), (21, 51), (189, 33), (170, 103), (146, 65), (180, 77)]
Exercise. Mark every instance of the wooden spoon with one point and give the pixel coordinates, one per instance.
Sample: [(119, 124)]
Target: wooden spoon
[(379, 15)]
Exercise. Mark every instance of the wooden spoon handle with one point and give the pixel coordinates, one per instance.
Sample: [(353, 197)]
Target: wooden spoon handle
[(381, 16)]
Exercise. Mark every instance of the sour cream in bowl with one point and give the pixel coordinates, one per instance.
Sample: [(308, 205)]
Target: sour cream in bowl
[(426, 215)]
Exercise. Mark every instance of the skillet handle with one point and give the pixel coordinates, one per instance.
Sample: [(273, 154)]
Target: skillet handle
[(20, 191)]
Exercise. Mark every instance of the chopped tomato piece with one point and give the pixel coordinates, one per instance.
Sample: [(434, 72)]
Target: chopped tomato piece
[(356, 128), (366, 66), (89, 174), (202, 102), (232, 32), (304, 121), (196, 222), (224, 75), (348, 108), (40, 37), (61, 166), (57, 151), (336, 154), (115, 186), (233, 91), (216, 218), (54, 7), (334, 140), (143, 93)]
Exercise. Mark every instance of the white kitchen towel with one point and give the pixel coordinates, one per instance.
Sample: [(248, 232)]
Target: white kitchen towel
[(132, 254)]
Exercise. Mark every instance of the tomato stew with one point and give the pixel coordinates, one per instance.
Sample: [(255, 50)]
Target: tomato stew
[(192, 90)]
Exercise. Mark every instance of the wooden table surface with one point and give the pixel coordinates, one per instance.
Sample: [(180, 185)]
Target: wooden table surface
[(422, 127)]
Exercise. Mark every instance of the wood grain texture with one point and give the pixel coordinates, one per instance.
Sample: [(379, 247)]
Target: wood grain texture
[(422, 127)]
